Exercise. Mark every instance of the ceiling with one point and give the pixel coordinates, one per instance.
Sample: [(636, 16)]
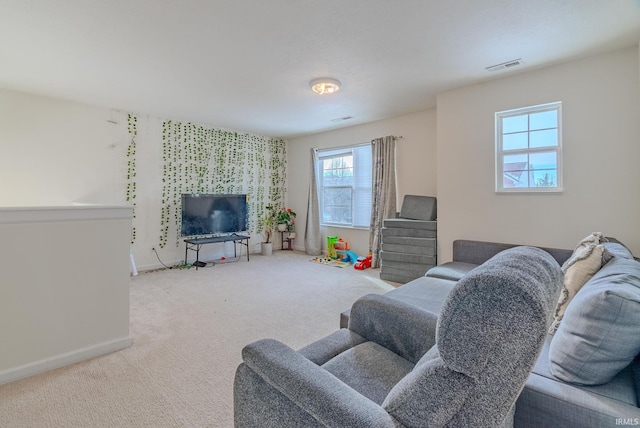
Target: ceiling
[(246, 65)]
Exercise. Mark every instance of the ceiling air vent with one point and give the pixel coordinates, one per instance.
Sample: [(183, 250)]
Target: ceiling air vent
[(505, 65)]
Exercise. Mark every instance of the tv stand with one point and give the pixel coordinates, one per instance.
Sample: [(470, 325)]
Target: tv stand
[(194, 244)]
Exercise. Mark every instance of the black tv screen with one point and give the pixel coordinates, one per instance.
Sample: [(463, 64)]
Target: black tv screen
[(213, 214)]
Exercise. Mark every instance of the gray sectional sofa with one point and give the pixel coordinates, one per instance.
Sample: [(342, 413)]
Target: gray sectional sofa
[(588, 373)]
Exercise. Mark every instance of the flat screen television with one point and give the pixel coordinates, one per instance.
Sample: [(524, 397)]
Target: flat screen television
[(213, 214)]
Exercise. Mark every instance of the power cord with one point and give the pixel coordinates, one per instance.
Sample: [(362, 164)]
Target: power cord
[(168, 267)]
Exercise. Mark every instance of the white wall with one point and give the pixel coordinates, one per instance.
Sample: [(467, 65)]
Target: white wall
[(416, 166), (57, 152), (601, 150), (64, 293)]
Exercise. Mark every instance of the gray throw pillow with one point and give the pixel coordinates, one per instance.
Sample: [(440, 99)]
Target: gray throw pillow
[(598, 335)]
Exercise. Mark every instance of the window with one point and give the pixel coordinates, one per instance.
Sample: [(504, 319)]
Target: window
[(529, 149), (345, 177)]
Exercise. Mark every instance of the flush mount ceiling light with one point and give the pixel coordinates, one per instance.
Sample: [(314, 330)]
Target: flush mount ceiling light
[(325, 85)]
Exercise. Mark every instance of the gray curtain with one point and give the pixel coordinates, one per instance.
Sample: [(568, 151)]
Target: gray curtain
[(312, 238), (384, 191)]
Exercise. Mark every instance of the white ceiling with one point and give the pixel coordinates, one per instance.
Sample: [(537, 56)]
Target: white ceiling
[(245, 65)]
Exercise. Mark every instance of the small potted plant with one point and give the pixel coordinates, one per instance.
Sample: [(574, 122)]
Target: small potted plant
[(285, 219)]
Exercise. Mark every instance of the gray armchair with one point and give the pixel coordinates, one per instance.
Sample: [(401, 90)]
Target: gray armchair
[(397, 365)]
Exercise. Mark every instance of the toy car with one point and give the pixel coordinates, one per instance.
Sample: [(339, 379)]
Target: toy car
[(363, 263)]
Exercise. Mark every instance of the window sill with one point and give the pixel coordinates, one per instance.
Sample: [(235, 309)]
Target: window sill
[(341, 226), (557, 191)]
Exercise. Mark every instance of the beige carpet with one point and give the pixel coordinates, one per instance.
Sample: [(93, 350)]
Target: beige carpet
[(188, 328)]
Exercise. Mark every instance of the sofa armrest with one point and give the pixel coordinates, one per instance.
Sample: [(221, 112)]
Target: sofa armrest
[(329, 346), (400, 327), (313, 389)]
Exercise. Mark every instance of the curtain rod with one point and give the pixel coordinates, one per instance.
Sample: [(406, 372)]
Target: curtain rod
[(398, 137), (317, 149), (329, 149), (395, 137)]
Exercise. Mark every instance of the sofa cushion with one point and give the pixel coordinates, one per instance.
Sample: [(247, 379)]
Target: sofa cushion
[(478, 252), (546, 402), (409, 224), (586, 260), (453, 271), (370, 369), (620, 389), (424, 292), (598, 335)]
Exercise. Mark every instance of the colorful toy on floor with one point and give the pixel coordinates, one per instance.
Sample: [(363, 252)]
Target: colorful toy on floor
[(349, 256), (338, 252), (330, 262), (331, 247), (341, 245), (363, 262)]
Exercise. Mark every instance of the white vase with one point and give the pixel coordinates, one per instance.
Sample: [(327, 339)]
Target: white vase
[(266, 248), (292, 235), (282, 227)]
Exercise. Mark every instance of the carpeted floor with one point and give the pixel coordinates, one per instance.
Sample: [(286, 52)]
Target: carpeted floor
[(188, 328)]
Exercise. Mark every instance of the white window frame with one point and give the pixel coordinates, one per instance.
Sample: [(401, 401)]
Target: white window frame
[(338, 152), (501, 152)]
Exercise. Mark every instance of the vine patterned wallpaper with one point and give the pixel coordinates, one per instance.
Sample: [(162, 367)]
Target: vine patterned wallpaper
[(198, 159)]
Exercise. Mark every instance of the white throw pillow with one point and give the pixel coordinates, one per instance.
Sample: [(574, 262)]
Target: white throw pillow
[(586, 260)]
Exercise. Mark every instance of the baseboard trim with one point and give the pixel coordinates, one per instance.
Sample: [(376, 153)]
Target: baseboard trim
[(37, 367)]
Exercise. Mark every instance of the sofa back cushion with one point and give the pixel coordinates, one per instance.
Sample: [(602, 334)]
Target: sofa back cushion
[(599, 333), (478, 252)]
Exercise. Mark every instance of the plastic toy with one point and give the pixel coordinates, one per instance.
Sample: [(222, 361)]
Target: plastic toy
[(363, 262), (341, 245), (349, 256), (331, 247)]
